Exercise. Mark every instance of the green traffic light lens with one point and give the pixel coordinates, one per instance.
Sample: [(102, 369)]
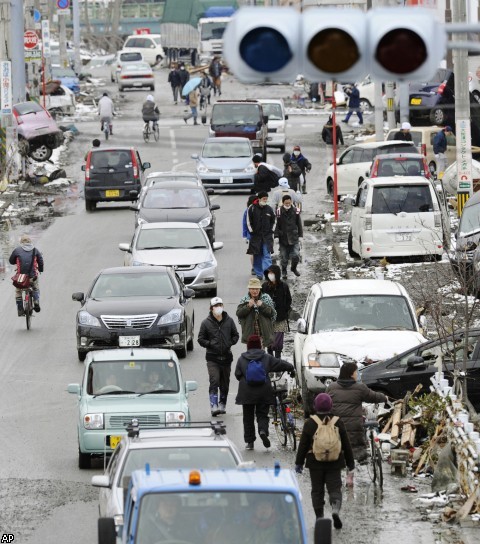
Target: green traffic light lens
[(265, 49), (333, 50), (401, 51)]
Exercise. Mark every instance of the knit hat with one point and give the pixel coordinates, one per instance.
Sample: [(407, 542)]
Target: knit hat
[(287, 159), (262, 194), (254, 283), (254, 342), (323, 403), (296, 148), (406, 126), (283, 182), (256, 159)]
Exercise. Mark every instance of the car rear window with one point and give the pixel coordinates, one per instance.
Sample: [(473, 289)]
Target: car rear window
[(131, 56), (401, 198), (401, 167), (27, 107), (175, 198), (111, 159)]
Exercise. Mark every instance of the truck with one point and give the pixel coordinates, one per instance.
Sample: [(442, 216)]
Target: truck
[(211, 505), (195, 28)]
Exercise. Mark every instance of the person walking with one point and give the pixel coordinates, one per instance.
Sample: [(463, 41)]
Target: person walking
[(299, 159), (255, 391), (347, 396), (327, 137), (289, 231), (215, 70), (260, 222), (193, 103), (279, 192), (256, 313), (279, 292), (184, 76), (266, 176), (440, 148), (175, 82), (205, 88), (324, 474), (106, 111), (245, 232), (292, 172), (404, 133), (218, 334), (354, 105)]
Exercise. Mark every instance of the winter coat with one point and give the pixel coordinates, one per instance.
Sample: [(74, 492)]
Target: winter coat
[(347, 397), (193, 99), (305, 446), (150, 111), (215, 69), (257, 394), (440, 142), (279, 292), (218, 337), (22, 257), (206, 86), (354, 100), (327, 134), (174, 78), (105, 107), (265, 179), (184, 77), (279, 192), (266, 316), (260, 222), (293, 175), (404, 136), (302, 162), (289, 226)]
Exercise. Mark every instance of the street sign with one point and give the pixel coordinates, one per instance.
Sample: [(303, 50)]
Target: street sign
[(30, 39), (33, 55), (5, 87), (37, 16), (464, 155), (46, 38), (63, 4)]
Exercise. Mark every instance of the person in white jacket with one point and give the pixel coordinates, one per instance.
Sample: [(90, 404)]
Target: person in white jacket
[(106, 111), (276, 195)]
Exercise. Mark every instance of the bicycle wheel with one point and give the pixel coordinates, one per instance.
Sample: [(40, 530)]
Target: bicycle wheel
[(290, 425), (156, 132), (280, 424), (27, 308), (146, 133), (371, 465), (378, 467)]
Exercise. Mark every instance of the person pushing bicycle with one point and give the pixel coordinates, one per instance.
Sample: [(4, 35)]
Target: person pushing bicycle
[(150, 111), (106, 111)]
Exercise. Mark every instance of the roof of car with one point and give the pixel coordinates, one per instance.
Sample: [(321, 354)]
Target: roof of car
[(399, 156), (201, 437), (384, 143), (140, 354), (335, 288), (135, 269), (169, 225), (399, 180), (271, 100), (171, 175), (112, 148), (226, 139), (177, 184)]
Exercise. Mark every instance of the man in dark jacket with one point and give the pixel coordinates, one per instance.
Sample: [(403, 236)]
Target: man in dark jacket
[(404, 133), (256, 399), (324, 473), (215, 70), (184, 76), (29, 261), (260, 222), (267, 175), (327, 137), (300, 160), (175, 82), (439, 149), (292, 172), (354, 105), (289, 231), (218, 334)]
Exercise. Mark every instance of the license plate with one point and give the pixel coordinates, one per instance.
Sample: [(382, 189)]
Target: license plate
[(226, 179), (403, 237), (112, 193), (137, 84), (128, 341), (416, 101), (114, 440)]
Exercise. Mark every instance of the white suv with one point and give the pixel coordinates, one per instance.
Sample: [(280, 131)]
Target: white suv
[(149, 44), (277, 122)]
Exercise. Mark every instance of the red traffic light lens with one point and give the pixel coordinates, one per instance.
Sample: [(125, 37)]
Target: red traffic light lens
[(333, 50), (265, 49), (401, 51)]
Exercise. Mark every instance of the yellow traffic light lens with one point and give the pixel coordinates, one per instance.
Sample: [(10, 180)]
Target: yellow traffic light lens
[(265, 49), (401, 51), (333, 50)]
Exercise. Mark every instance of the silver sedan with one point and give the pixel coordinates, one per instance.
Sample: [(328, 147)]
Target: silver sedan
[(136, 75)]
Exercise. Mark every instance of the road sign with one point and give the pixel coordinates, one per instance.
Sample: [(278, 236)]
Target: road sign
[(33, 55), (5, 87), (37, 16), (63, 4), (30, 39), (46, 37)]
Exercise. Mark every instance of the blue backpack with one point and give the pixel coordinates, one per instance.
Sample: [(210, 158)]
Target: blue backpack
[(256, 374)]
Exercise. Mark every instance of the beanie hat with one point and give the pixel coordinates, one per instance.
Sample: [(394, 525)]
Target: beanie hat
[(283, 182), (256, 159), (287, 159), (262, 194), (406, 126), (323, 403), (254, 342), (296, 148)]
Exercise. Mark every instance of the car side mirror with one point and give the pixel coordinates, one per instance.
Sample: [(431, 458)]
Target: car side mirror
[(217, 245), (214, 207), (301, 325), (146, 165), (79, 297), (188, 293), (194, 156), (265, 119), (191, 385), (415, 361), (124, 247), (101, 480), (83, 168), (73, 388)]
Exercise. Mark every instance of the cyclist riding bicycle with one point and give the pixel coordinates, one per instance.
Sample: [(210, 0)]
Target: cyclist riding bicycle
[(150, 111), (106, 111), (29, 261)]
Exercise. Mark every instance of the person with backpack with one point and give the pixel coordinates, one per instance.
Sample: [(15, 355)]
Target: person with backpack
[(325, 449), (267, 175), (305, 166), (292, 171), (255, 391), (279, 192)]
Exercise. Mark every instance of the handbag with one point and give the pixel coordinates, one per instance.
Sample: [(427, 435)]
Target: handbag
[(22, 281)]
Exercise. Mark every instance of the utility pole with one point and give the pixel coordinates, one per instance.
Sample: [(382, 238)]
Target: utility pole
[(76, 35), (62, 37), (17, 53), (6, 84)]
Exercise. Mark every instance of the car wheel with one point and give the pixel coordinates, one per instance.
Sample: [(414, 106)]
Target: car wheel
[(437, 116), (213, 292), (41, 153), (90, 205), (106, 530), (365, 104), (152, 87), (81, 355), (360, 181), (84, 460), (190, 344), (352, 253), (182, 352), (55, 112)]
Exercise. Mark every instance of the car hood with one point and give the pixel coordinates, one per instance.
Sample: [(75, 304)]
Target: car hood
[(363, 345), (171, 257), (133, 404), (238, 163), (130, 305), (163, 215)]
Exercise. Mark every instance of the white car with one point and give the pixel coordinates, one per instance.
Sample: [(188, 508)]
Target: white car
[(361, 321), (149, 44), (122, 58), (58, 99), (277, 122), (198, 446), (136, 75), (184, 246)]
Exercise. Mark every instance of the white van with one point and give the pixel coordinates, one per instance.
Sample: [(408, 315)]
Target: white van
[(149, 44), (277, 122), (398, 217)]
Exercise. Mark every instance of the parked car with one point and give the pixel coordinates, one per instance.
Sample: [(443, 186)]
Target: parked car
[(402, 373), (359, 321), (67, 77), (399, 216), (226, 163), (185, 246), (149, 44), (37, 127), (147, 306), (354, 163), (467, 242), (122, 58), (196, 446), (399, 164), (113, 174), (96, 65), (119, 385), (136, 75), (182, 201), (277, 122), (59, 100)]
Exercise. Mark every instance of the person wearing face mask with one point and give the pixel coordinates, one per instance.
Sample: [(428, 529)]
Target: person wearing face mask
[(260, 222), (218, 334), (184, 75), (289, 231), (279, 192), (304, 164)]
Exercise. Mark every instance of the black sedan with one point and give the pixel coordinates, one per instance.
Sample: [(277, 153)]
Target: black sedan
[(177, 201), (139, 306), (404, 372)]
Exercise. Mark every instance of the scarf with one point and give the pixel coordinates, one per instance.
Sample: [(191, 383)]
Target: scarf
[(266, 299)]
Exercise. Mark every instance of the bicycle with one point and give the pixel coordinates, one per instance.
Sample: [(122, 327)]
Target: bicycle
[(27, 298), (147, 131), (106, 127), (374, 466), (283, 414)]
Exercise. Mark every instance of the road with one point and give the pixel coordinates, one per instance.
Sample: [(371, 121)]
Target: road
[(44, 496)]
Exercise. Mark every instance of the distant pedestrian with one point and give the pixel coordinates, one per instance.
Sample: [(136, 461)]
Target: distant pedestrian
[(266, 176), (327, 137), (260, 223), (245, 232), (215, 70), (276, 195), (193, 103), (184, 75), (404, 133), (205, 88), (218, 334), (255, 392), (292, 172), (299, 159), (324, 473), (440, 148), (95, 144), (256, 313), (175, 82), (354, 105), (289, 231)]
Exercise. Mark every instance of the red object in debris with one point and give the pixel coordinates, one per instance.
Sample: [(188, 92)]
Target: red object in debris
[(142, 31)]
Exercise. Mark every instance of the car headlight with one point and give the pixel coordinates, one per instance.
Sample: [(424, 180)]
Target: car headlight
[(174, 417), (207, 264), (93, 421), (250, 170), (325, 360), (205, 222), (173, 316), (202, 169), (84, 318)]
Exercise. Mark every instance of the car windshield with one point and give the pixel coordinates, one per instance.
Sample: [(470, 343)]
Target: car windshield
[(28, 107), (161, 179), (107, 378), (236, 114), (401, 198), (235, 517), (470, 221), (213, 30), (171, 238), (212, 150), (133, 285), (175, 198), (274, 111), (363, 312)]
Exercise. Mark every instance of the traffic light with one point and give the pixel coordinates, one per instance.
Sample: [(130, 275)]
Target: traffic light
[(390, 44)]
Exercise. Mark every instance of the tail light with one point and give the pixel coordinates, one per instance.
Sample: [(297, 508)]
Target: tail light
[(441, 87), (423, 149), (135, 165), (87, 168), (374, 172), (17, 117)]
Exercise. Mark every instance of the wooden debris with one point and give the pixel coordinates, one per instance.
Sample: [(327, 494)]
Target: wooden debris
[(396, 417)]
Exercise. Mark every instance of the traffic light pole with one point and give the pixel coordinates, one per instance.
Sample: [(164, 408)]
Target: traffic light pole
[(334, 149)]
